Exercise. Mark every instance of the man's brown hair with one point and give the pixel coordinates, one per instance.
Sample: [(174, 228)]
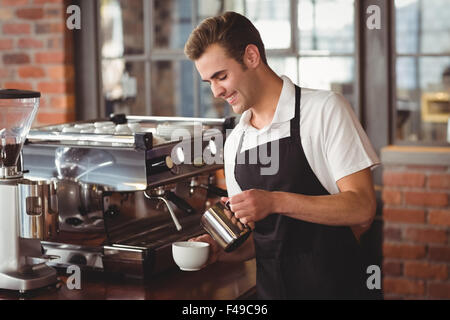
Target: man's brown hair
[(231, 30)]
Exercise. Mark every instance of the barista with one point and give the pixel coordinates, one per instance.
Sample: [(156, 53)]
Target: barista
[(309, 213)]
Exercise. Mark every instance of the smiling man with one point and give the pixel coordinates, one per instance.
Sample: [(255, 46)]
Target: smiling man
[(309, 214)]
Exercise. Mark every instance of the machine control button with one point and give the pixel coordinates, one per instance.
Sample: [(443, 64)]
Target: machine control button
[(78, 259), (74, 221)]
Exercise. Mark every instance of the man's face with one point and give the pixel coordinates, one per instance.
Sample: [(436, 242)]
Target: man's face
[(227, 78)]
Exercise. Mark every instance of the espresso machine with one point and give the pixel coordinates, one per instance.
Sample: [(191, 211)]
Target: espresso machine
[(24, 204), (127, 186)]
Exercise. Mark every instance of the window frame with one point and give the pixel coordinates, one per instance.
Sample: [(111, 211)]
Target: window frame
[(394, 55), (152, 54)]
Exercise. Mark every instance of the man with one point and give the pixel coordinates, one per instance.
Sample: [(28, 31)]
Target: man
[(309, 214)]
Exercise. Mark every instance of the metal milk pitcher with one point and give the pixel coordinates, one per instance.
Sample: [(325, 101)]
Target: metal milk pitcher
[(224, 227)]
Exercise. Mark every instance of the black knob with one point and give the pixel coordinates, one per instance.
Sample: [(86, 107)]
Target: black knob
[(74, 221), (112, 211), (78, 259)]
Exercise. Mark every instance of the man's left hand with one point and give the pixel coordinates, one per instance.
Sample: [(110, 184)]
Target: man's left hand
[(252, 205)]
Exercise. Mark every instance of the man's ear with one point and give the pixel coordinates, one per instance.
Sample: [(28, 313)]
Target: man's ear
[(252, 58)]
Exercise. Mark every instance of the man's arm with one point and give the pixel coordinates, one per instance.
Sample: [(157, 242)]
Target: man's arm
[(354, 206)]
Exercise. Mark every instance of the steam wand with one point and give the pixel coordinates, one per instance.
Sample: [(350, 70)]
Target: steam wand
[(160, 196)]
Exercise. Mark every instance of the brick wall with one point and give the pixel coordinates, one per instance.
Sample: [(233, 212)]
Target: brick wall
[(36, 53), (416, 241)]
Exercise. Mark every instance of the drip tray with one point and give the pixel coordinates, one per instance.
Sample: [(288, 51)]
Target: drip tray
[(149, 252)]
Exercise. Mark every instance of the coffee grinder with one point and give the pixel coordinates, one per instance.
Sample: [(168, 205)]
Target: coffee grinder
[(27, 207)]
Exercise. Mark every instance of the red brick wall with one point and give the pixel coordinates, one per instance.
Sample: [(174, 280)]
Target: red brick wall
[(416, 242), (36, 53)]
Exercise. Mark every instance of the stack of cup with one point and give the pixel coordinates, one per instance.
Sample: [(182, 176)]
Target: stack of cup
[(70, 129), (104, 127), (122, 130), (135, 127), (85, 128)]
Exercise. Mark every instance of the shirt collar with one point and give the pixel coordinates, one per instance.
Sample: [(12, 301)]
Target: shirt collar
[(285, 110)]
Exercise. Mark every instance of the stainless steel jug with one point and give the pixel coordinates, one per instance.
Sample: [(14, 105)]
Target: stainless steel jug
[(224, 227)]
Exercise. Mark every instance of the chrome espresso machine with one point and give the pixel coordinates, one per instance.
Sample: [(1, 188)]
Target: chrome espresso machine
[(126, 187)]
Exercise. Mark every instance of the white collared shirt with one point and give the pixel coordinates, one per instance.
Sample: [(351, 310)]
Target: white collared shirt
[(332, 137)]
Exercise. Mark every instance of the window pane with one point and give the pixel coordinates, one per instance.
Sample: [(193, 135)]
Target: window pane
[(423, 104), (122, 29), (329, 73), (435, 26), (123, 86), (172, 88), (326, 25), (422, 26), (284, 66), (272, 19), (210, 8), (172, 23), (406, 16)]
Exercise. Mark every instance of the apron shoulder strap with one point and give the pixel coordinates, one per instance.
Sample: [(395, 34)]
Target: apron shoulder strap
[(241, 140), (295, 122)]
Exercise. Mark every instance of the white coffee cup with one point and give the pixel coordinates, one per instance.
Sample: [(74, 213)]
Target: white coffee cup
[(190, 255), (100, 124), (123, 129), (71, 130), (134, 127)]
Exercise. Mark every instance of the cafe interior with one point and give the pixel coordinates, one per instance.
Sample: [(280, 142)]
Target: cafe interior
[(109, 189)]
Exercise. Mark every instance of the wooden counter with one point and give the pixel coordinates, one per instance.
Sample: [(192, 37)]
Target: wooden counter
[(220, 281)]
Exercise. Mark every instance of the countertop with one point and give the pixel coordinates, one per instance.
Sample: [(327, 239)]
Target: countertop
[(415, 155), (220, 281)]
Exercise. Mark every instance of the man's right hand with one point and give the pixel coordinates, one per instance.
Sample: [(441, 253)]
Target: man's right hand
[(214, 249)]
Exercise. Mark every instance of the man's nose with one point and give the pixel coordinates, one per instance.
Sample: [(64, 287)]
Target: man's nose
[(218, 91)]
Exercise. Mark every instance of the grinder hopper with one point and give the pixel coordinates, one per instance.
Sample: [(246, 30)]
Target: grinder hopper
[(17, 111)]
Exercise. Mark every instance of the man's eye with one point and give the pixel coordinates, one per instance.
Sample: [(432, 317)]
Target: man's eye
[(223, 78)]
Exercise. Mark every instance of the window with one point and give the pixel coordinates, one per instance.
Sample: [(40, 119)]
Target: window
[(145, 72), (422, 66), (327, 45)]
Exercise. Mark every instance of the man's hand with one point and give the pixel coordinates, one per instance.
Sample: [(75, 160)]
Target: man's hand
[(214, 249), (251, 205)]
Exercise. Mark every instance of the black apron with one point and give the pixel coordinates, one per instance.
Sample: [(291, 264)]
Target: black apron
[(297, 259)]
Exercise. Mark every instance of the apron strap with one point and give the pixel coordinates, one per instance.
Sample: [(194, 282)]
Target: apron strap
[(241, 140), (295, 122)]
